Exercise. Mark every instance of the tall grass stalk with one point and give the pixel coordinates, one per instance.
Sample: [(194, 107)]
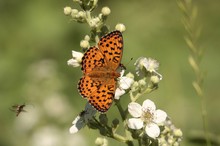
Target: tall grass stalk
[(190, 13)]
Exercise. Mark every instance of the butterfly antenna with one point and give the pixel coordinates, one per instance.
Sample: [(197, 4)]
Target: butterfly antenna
[(124, 66)]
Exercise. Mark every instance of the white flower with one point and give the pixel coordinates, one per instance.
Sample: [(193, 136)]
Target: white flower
[(119, 92), (82, 119), (76, 60), (146, 116), (124, 83), (147, 64)]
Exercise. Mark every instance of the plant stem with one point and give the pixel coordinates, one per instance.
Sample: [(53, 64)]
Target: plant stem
[(122, 112)]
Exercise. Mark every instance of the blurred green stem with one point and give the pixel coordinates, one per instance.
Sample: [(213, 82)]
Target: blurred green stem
[(193, 32), (124, 114)]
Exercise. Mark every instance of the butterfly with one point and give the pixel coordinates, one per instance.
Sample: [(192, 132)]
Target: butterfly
[(99, 67)]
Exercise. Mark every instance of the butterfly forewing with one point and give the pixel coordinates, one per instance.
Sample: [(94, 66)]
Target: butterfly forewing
[(93, 59), (88, 85), (111, 45)]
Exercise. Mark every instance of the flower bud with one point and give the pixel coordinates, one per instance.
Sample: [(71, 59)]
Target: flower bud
[(120, 27), (154, 79), (130, 75), (74, 13), (178, 133), (101, 141), (81, 14), (115, 122), (94, 22), (142, 82), (103, 119), (84, 44), (134, 86), (105, 11), (87, 38), (67, 10)]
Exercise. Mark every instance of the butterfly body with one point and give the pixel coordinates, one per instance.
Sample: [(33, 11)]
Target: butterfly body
[(99, 67), (104, 74)]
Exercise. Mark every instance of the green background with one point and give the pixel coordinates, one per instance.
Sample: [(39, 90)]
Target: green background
[(36, 40)]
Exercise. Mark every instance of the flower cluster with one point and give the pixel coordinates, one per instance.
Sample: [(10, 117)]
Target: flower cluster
[(170, 135), (96, 23), (145, 118), (143, 122)]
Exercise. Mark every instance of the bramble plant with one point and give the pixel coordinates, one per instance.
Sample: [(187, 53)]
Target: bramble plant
[(141, 122)]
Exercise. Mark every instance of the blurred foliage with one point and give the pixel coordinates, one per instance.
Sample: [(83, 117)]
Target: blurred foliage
[(36, 40)]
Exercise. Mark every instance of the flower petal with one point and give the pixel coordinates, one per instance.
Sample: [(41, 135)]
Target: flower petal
[(121, 70), (148, 104), (75, 128), (135, 109), (150, 64), (135, 123), (76, 60), (125, 82), (76, 120), (159, 116), (139, 65), (77, 55), (78, 124), (119, 92), (152, 130), (73, 62)]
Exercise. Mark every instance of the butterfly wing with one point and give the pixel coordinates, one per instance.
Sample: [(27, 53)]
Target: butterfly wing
[(111, 46), (88, 85), (92, 59), (99, 92)]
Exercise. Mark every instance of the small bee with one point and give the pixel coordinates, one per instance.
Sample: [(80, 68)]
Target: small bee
[(18, 108)]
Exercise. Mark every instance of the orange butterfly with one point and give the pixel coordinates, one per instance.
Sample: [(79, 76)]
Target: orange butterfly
[(99, 65)]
